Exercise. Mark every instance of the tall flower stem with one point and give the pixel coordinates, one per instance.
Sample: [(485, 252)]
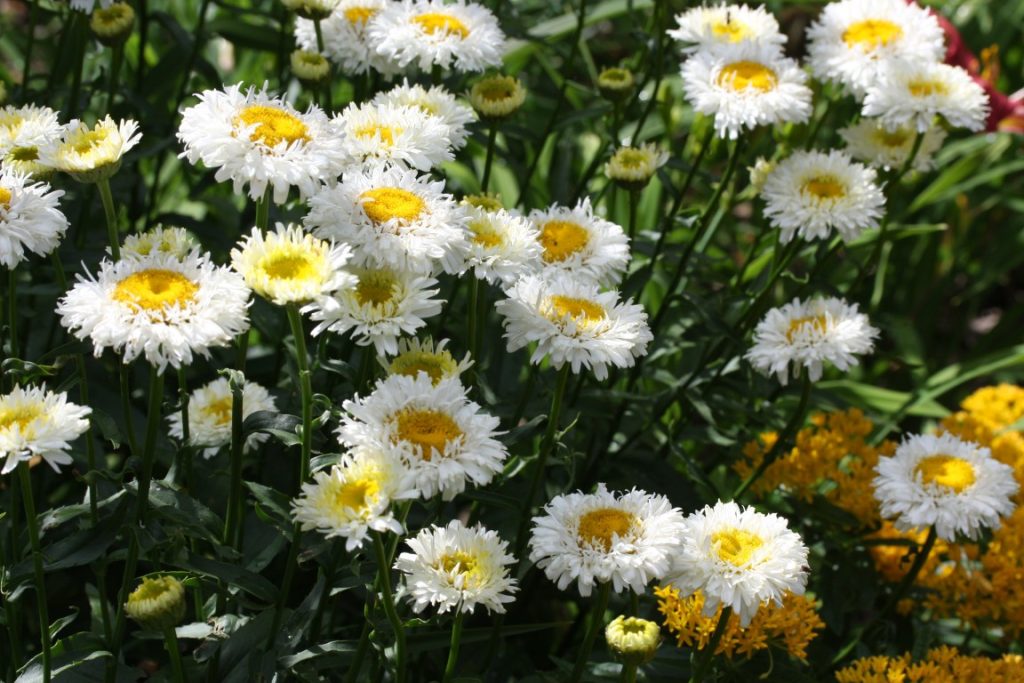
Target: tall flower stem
[(263, 211), (111, 214), (707, 654), (388, 601), (453, 650), (492, 136), (12, 310), (174, 652), (596, 622), (183, 467), (628, 674), (233, 518), (634, 204), (28, 500), (473, 323), (116, 58)]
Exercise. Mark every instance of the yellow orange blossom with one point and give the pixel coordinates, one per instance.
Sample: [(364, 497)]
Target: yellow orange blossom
[(940, 665), (792, 626)]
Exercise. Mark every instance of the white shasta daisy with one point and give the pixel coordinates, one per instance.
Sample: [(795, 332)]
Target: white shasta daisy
[(392, 217), (626, 539), (459, 35), (161, 307), (573, 322), (253, 138), (711, 28), (209, 415), (808, 334), (30, 218), (852, 41), (382, 306), (913, 94), (870, 141), (346, 40), (940, 480), (441, 436), (456, 568), (87, 153), (389, 134), (503, 246), (36, 422), (740, 558), (24, 131), (176, 242), (745, 86), (810, 194), (633, 167), (415, 356), (435, 101), (577, 241)]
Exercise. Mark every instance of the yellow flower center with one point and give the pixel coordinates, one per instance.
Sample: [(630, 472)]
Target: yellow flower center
[(220, 410), (732, 31), (434, 22), (288, 265), (359, 15), (356, 495), (585, 312), (375, 288), (150, 589), (892, 138), (272, 125), (497, 89), (631, 158), (155, 290), (412, 363), (427, 430), (740, 76), (599, 527), (796, 325), (24, 154), (487, 202), (19, 417), (562, 239), (927, 88), (386, 134), (85, 141), (945, 470), (871, 33), (463, 565), (735, 546), (385, 203), (485, 235), (5, 198), (825, 187)]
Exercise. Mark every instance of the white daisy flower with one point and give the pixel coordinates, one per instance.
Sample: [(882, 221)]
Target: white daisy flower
[(90, 154), (381, 306), (810, 194), (807, 334), (456, 568), (912, 94), (311, 9), (435, 101), (254, 138), (30, 218), (577, 241), (456, 35), (625, 538), (573, 322), (35, 422), (346, 40), (24, 131), (354, 497), (633, 167), (87, 6), (852, 41), (745, 86), (161, 307), (955, 485), (415, 357), (503, 246), (392, 217), (497, 97), (870, 141), (739, 557), (176, 242), (711, 28), (209, 415), (441, 436), (288, 266), (390, 134)]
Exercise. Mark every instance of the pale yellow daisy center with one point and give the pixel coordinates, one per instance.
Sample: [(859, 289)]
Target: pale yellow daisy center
[(289, 265), (24, 154), (730, 30), (20, 417), (427, 430), (797, 325), (435, 22), (382, 204), (892, 138), (356, 494), (735, 546), (872, 33), (927, 88), (463, 565), (375, 288), (273, 125), (584, 312), (485, 234), (598, 527), (386, 134), (5, 198), (497, 89), (562, 239), (632, 158), (359, 15), (219, 410), (949, 471), (740, 76), (84, 142), (412, 363), (825, 187), (155, 290)]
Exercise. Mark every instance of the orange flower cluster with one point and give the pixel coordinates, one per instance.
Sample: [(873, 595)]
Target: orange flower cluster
[(940, 665), (793, 625)]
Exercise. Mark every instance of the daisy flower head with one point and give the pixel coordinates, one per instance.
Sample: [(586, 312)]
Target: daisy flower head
[(24, 131), (497, 97), (913, 94), (810, 194), (311, 68), (354, 497), (209, 415), (625, 538), (176, 242), (311, 9), (577, 241), (870, 141), (392, 217), (809, 334), (633, 640), (288, 266), (30, 218), (940, 480), (616, 83), (852, 41), (389, 134), (459, 35), (415, 357), (87, 6), (745, 86), (442, 437), (158, 603), (112, 25), (36, 422), (711, 28), (633, 167), (455, 568), (573, 322), (383, 305), (254, 138), (503, 246), (159, 306), (89, 154), (346, 40), (435, 101), (740, 558)]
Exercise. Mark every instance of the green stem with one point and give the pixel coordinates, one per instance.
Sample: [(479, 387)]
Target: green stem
[(111, 214), (596, 624), (126, 405), (634, 203), (319, 36), (156, 395), (453, 651), (472, 323), (364, 644), (325, 597), (492, 136), (37, 564), (27, 66), (388, 601), (263, 211), (233, 518), (629, 670), (183, 467), (12, 312), (116, 58), (171, 644), (707, 654)]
